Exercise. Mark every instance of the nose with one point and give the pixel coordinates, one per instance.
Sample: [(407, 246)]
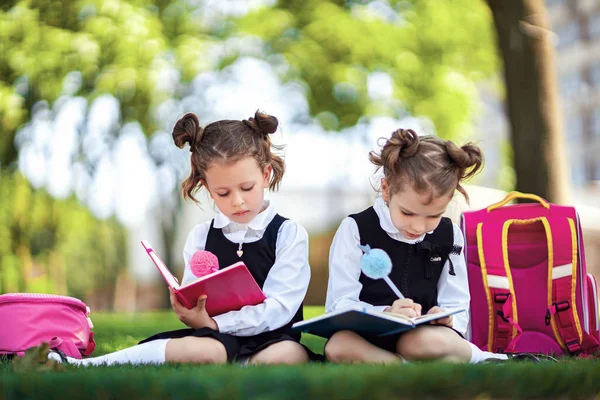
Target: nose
[(237, 199), (418, 225)]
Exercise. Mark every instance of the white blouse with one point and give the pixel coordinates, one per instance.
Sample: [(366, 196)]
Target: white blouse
[(344, 269), (286, 283)]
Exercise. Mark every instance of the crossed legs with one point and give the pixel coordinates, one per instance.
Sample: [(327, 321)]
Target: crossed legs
[(422, 343)]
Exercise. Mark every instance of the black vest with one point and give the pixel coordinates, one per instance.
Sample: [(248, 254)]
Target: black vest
[(258, 256), (416, 267)]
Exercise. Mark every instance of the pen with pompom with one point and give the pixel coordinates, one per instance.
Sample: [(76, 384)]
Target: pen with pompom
[(376, 264)]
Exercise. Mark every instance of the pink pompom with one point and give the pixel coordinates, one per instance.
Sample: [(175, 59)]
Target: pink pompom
[(203, 263)]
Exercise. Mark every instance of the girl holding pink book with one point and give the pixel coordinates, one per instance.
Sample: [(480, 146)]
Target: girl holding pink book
[(233, 160)]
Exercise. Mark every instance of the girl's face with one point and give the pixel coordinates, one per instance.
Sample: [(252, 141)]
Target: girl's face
[(412, 213), (238, 189)]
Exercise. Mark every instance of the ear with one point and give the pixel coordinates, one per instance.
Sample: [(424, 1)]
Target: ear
[(385, 190), (267, 174)]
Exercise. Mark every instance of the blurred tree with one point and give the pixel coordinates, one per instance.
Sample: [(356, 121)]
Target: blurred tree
[(433, 53), (355, 58), (86, 48), (118, 47), (532, 98), (55, 246)]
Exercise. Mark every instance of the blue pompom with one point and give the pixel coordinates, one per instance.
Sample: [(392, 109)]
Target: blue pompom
[(375, 263)]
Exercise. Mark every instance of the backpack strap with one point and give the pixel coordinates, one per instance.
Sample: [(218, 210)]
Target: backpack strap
[(65, 346), (498, 284), (562, 284), (91, 345)]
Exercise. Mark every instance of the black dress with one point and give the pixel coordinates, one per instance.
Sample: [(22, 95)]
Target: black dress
[(259, 257), (416, 270)]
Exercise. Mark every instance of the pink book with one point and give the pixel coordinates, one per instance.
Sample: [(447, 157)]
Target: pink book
[(228, 289)]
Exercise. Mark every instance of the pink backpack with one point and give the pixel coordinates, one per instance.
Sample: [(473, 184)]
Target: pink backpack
[(530, 291), (30, 319)]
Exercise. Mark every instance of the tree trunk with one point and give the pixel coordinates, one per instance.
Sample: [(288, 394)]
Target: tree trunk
[(525, 44)]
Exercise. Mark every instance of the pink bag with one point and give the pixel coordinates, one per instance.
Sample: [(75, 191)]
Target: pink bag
[(530, 290), (30, 319)]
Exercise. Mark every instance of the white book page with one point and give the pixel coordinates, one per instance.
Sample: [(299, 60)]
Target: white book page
[(423, 318), (392, 317)]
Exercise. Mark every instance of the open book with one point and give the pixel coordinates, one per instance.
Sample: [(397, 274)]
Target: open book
[(228, 289), (361, 320)]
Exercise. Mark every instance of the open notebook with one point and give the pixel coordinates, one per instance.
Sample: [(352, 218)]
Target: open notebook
[(228, 289), (363, 320)]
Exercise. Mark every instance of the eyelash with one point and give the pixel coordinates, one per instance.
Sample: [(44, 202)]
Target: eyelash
[(227, 194), (410, 215)]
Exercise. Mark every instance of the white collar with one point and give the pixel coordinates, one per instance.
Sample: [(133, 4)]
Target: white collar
[(260, 222), (385, 221)]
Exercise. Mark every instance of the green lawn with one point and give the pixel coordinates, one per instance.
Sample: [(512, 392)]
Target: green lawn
[(570, 379)]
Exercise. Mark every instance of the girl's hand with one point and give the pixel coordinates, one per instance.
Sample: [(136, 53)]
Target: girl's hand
[(405, 307), (196, 317), (444, 321)]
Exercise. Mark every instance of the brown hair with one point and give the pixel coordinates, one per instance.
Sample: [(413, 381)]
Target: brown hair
[(227, 141), (429, 163)]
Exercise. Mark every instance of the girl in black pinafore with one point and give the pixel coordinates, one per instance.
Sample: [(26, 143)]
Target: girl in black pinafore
[(421, 175), (233, 161)]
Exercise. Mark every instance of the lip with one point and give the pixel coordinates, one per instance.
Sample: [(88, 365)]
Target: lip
[(411, 236), (241, 213)]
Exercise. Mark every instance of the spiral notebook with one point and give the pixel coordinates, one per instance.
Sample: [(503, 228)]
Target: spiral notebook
[(228, 289)]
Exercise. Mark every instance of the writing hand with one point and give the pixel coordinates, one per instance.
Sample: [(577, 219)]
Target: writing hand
[(405, 307)]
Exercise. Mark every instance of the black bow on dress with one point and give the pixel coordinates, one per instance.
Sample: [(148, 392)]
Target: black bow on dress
[(436, 250)]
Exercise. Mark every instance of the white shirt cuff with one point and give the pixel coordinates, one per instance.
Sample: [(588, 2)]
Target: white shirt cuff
[(225, 324)]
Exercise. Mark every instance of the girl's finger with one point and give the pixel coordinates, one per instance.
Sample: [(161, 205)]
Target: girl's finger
[(417, 307), (172, 297), (201, 301), (410, 313)]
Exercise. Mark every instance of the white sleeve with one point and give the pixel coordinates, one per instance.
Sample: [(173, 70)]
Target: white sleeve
[(344, 287), (453, 290), (196, 240), (284, 288)]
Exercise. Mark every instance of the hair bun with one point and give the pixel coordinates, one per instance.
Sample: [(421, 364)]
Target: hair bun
[(187, 130), (404, 143), (466, 157), (407, 142), (267, 123), (262, 123)]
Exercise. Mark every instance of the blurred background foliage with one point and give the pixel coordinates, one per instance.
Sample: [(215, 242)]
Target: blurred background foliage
[(55, 246), (434, 52)]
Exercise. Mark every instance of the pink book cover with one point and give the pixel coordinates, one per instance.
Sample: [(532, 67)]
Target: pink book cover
[(228, 289)]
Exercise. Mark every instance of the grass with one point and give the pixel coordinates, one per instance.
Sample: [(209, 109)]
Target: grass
[(572, 379)]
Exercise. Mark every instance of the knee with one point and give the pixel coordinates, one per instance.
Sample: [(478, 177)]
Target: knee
[(425, 343), (288, 352), (338, 348), (292, 353), (200, 351)]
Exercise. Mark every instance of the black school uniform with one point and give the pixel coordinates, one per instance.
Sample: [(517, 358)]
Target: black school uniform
[(430, 270), (259, 257)]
